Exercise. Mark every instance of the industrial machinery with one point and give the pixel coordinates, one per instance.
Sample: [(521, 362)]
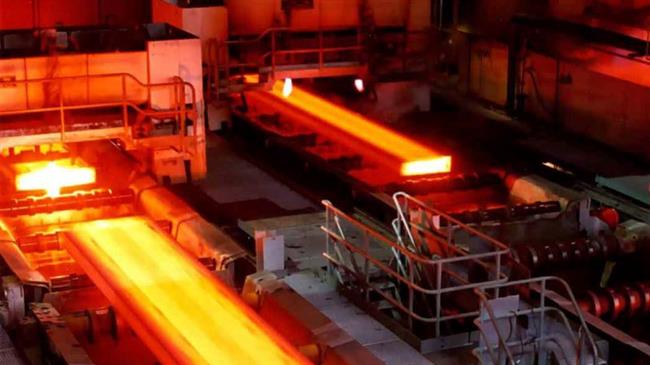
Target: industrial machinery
[(325, 182)]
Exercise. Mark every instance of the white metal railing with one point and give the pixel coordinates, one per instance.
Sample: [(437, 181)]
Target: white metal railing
[(425, 278), (425, 262)]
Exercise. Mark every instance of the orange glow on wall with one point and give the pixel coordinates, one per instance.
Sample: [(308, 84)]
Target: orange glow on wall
[(416, 158), (176, 306), (52, 176)]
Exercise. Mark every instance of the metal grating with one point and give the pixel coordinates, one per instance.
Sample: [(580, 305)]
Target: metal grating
[(8, 353)]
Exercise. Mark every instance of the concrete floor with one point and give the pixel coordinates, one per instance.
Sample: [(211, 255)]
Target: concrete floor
[(231, 180)]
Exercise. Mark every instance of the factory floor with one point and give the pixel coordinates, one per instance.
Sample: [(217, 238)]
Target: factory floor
[(260, 201), (231, 179)]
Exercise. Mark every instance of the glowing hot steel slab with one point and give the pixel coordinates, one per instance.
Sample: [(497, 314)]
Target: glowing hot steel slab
[(52, 176), (176, 306), (415, 158)]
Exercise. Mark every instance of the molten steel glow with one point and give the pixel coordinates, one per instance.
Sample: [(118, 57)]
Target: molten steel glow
[(416, 158), (52, 176), (423, 167), (177, 307)]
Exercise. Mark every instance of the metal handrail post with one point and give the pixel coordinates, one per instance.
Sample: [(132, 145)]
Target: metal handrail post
[(498, 273), (541, 358), (366, 266), (402, 216), (438, 297), (217, 75), (26, 88), (61, 110), (328, 239), (321, 54), (411, 296), (183, 116), (273, 49), (125, 111)]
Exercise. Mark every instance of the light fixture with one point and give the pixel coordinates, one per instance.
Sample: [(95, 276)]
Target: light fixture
[(359, 85), (287, 89)]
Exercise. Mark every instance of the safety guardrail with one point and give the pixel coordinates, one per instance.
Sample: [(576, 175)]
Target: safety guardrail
[(427, 260), (179, 109), (220, 54), (425, 278)]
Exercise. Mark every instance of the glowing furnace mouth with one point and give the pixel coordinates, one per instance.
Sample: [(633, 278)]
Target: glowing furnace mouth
[(52, 176)]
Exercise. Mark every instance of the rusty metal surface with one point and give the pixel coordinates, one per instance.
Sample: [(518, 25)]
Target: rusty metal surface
[(62, 341)]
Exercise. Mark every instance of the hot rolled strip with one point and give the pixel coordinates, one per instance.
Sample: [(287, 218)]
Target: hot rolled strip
[(412, 158), (176, 306)]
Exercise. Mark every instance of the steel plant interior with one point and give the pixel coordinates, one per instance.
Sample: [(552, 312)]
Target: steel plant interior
[(324, 182)]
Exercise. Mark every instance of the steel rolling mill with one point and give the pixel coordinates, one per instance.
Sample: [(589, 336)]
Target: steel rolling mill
[(324, 182)]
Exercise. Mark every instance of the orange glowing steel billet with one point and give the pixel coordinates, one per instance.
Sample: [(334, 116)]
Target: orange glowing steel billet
[(52, 176), (177, 307), (416, 158)]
